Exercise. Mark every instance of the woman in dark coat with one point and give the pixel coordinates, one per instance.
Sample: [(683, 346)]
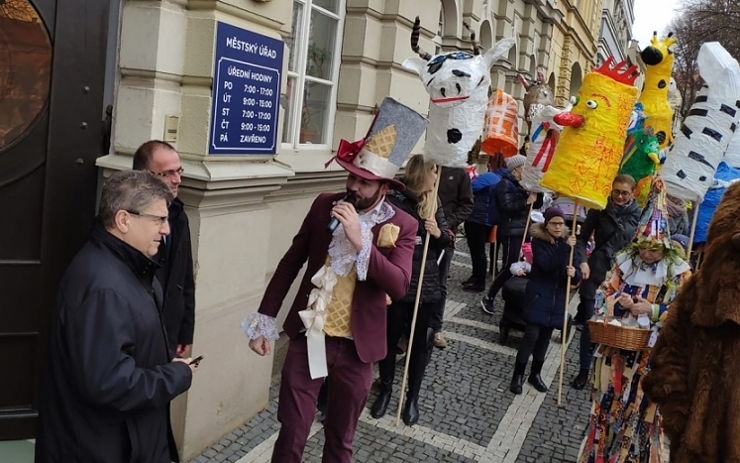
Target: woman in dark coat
[(545, 295), (513, 203), (418, 201)]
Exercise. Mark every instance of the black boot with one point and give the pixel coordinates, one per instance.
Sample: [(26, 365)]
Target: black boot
[(580, 381), (534, 376), (518, 379), (410, 413), (418, 363), (381, 402)]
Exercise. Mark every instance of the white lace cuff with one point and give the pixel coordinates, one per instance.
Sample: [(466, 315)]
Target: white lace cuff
[(363, 257), (257, 324)]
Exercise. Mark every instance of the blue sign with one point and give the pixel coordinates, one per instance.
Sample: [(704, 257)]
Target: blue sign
[(246, 92)]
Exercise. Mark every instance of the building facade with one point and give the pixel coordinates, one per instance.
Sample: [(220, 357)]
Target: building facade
[(615, 36), (128, 71)]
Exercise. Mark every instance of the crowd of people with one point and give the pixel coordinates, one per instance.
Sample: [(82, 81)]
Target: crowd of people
[(377, 259)]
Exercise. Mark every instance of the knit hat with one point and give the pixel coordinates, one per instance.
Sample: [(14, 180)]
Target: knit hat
[(392, 136), (553, 211), (683, 240), (515, 161)]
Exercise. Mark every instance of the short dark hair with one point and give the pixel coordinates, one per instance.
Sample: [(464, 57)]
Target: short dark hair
[(625, 178), (131, 190), (144, 153)]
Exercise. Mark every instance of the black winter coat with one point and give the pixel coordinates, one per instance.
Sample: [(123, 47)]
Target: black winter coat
[(176, 276), (455, 195), (511, 200), (545, 295), (431, 290), (613, 228), (108, 381)]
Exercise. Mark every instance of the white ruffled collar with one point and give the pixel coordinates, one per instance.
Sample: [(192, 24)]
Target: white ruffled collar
[(342, 253)]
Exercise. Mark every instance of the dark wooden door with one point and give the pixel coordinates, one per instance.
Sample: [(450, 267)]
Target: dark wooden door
[(52, 68)]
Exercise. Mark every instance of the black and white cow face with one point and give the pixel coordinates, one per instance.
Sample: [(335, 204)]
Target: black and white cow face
[(457, 84)]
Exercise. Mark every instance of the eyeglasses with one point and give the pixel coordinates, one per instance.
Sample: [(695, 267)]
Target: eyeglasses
[(556, 224), (161, 219), (169, 173), (622, 193)]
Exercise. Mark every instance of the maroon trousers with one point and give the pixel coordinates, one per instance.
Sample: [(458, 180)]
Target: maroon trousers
[(348, 385)]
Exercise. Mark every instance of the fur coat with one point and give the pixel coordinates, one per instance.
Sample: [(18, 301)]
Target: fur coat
[(694, 376)]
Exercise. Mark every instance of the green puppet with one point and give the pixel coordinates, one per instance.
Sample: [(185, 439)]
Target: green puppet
[(641, 154)]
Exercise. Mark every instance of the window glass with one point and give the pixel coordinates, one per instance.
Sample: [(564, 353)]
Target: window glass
[(315, 112), (331, 5), (25, 67), (321, 46)]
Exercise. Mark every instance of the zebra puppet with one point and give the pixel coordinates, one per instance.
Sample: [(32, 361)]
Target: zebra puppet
[(706, 132), (457, 83)]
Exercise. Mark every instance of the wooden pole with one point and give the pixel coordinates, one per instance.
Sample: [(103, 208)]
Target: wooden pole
[(416, 307), (693, 232), (564, 336), (526, 227), (494, 260)]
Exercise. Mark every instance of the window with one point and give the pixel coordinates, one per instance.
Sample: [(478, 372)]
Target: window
[(313, 68), (25, 68)]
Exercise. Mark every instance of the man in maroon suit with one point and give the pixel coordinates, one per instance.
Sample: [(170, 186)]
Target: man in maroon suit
[(337, 323)]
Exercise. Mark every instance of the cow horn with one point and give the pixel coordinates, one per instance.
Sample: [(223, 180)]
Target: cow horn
[(476, 50), (415, 40)]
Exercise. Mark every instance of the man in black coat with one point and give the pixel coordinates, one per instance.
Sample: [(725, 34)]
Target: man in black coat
[(612, 228), (175, 254), (110, 376)]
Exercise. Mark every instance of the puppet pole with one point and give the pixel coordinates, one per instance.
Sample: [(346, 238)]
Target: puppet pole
[(693, 231), (526, 226), (564, 335), (494, 259), (416, 307)]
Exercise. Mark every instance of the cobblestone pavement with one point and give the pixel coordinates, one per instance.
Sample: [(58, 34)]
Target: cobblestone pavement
[(467, 413)]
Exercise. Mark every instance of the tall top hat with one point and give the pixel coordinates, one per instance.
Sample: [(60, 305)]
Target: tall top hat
[(388, 143)]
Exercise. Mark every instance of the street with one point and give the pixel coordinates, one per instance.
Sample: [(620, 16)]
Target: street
[(467, 413)]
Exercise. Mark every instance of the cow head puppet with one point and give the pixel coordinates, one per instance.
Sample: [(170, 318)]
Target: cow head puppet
[(457, 83)]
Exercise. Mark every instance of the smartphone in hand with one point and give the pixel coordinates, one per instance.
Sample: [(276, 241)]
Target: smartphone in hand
[(196, 360)]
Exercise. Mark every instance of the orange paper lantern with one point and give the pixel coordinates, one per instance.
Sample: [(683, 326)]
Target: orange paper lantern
[(501, 125)]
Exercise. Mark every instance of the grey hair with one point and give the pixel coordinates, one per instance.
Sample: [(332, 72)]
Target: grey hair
[(131, 190)]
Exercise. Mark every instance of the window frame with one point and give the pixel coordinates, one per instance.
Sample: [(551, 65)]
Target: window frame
[(294, 115)]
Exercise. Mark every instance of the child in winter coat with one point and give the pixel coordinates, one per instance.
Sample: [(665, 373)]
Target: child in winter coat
[(544, 307)]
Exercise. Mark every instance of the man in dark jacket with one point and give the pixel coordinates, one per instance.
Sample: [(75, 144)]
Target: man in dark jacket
[(175, 254), (612, 228), (456, 197), (110, 376)]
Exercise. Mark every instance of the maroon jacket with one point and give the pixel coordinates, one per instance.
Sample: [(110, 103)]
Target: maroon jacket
[(389, 271)]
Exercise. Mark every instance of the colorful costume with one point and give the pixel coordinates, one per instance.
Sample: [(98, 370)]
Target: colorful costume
[(624, 425)]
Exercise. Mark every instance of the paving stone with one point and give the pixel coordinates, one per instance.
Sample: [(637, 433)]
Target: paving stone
[(467, 413)]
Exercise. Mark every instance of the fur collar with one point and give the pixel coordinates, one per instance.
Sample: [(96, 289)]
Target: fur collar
[(539, 231)]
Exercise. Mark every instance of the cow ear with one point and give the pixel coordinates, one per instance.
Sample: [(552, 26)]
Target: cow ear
[(498, 50), (414, 63)]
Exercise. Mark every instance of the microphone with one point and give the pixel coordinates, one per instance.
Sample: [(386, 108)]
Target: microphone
[(334, 222)]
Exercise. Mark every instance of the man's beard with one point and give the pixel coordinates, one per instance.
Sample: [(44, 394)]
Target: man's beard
[(366, 203)]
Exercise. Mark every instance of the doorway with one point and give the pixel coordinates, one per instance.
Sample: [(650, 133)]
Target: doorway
[(52, 71)]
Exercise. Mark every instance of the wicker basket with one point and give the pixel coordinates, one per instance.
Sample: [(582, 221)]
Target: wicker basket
[(621, 337)]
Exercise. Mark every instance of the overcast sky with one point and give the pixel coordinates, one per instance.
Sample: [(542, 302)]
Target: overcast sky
[(652, 15)]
